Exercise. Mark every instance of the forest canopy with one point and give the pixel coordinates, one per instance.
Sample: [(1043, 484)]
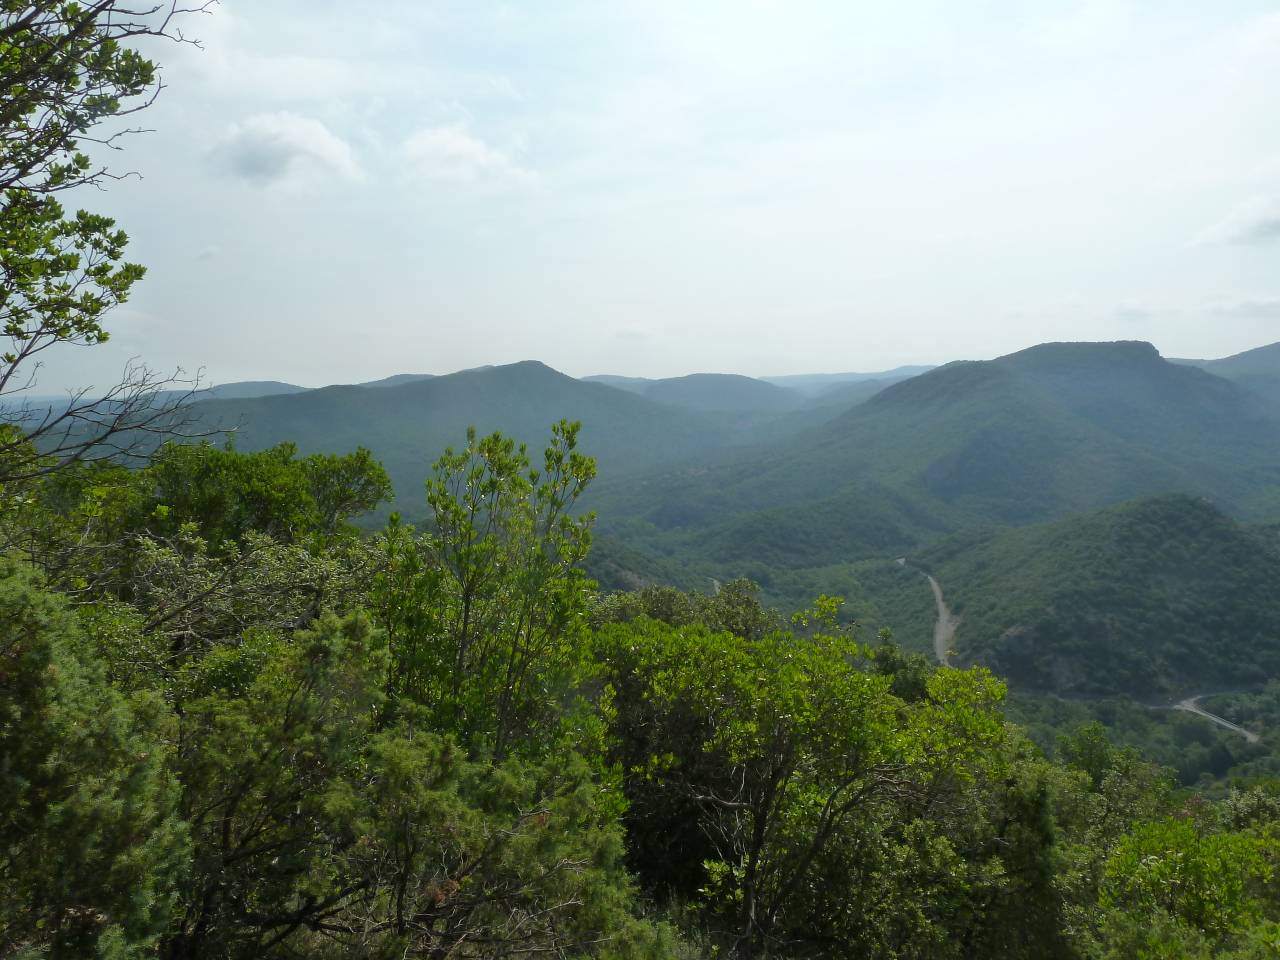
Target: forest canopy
[(235, 725)]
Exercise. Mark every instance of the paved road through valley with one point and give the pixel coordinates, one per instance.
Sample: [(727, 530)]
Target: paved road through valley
[(944, 628), (944, 633), (1191, 705)]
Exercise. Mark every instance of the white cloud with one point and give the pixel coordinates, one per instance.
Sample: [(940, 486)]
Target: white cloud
[(271, 147), (1252, 223), (226, 66), (451, 154)]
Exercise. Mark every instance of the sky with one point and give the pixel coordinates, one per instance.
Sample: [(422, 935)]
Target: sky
[(334, 192)]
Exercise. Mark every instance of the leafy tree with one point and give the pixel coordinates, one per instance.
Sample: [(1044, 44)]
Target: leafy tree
[(66, 70), (486, 612), (226, 494), (1206, 881), (269, 731), (185, 599), (201, 532), (734, 607), (320, 831), (343, 486), (773, 778)]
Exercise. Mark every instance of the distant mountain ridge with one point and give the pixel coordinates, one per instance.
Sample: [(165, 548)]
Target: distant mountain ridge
[(817, 384), (883, 465), (1260, 361), (728, 391), (396, 380), (709, 391), (410, 424), (244, 389), (1026, 438), (1258, 370), (630, 425)]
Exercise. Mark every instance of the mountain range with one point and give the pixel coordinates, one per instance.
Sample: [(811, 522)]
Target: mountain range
[(1025, 438), (1258, 370), (1150, 480), (630, 426)]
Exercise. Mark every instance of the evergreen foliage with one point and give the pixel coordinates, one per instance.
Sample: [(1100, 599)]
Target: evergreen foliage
[(95, 852)]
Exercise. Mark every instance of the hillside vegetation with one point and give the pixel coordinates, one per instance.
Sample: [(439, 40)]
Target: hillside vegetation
[(407, 424), (1026, 438), (407, 419), (1257, 370), (1157, 598)]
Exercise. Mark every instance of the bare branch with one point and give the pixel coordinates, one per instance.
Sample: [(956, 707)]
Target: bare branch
[(125, 424)]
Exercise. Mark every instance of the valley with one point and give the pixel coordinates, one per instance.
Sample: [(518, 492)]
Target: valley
[(1095, 512)]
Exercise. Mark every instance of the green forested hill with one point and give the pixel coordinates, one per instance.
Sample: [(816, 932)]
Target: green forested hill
[(236, 390), (1257, 370), (817, 384), (1037, 435), (722, 391), (407, 426), (409, 419), (244, 389), (1258, 362), (709, 391), (1150, 598)]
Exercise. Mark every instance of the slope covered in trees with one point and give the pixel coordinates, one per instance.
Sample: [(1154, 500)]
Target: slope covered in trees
[(1257, 370), (1026, 438), (408, 424), (1155, 598), (407, 420)]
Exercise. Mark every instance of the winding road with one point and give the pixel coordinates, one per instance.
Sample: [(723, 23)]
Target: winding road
[(944, 628), (944, 633), (1191, 705)]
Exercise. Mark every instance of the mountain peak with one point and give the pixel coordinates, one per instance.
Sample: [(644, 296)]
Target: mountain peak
[(521, 369), (1083, 353)]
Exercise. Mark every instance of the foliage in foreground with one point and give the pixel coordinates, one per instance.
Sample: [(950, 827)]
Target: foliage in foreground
[(234, 727)]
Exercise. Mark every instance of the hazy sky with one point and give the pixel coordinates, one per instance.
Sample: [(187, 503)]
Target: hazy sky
[(340, 191)]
